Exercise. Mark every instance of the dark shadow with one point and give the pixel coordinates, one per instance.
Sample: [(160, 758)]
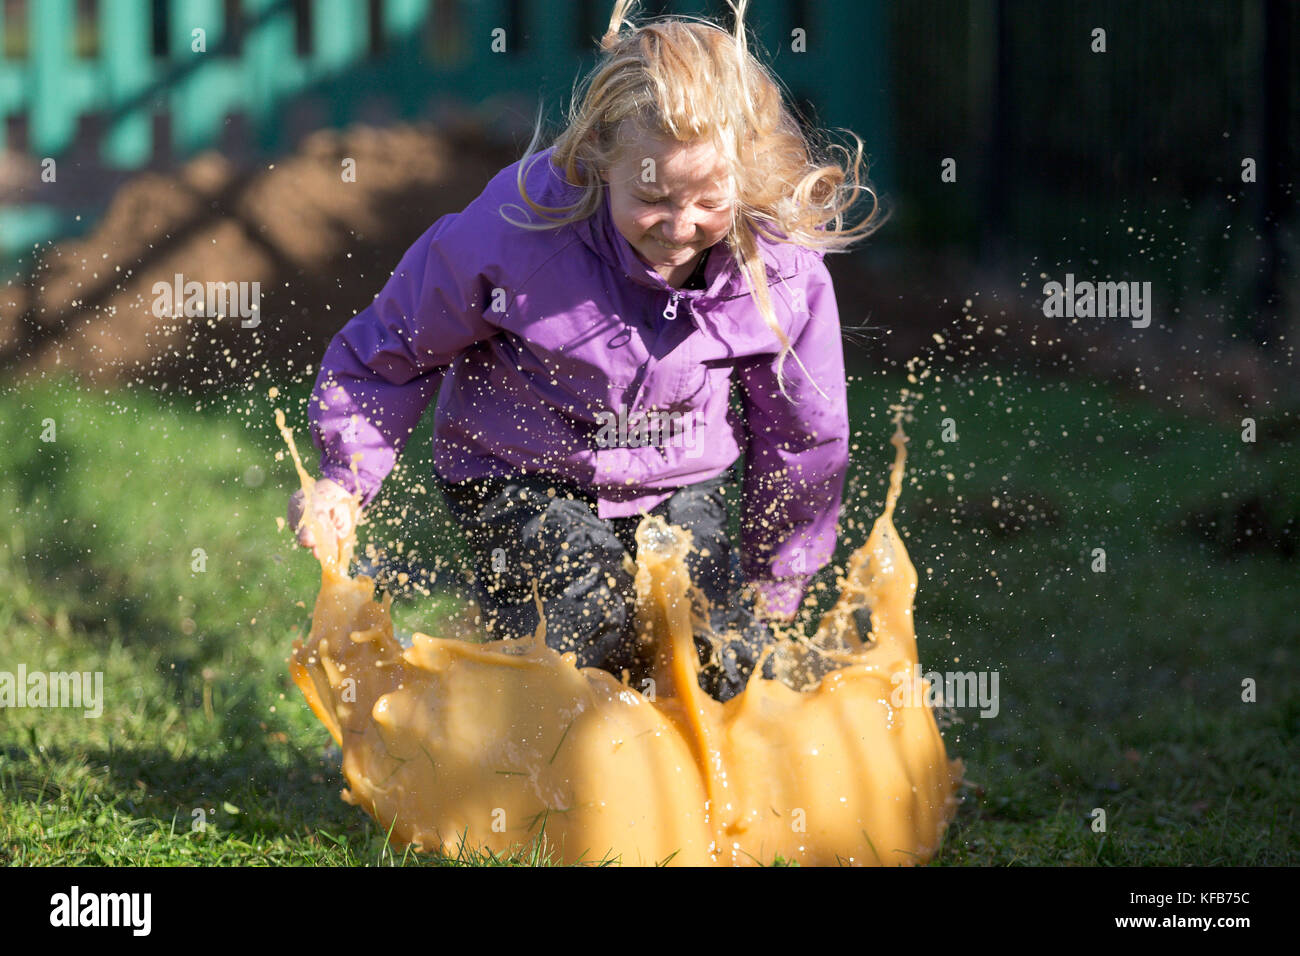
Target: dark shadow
[(266, 787)]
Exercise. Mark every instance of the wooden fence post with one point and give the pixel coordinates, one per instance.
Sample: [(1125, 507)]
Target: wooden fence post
[(126, 58), (196, 96), (49, 58)]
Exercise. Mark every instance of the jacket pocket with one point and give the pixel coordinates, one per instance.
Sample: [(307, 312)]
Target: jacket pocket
[(701, 380)]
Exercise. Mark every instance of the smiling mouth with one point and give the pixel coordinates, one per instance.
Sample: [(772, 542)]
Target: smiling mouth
[(669, 247)]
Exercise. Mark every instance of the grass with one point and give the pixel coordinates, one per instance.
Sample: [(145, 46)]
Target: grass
[(1120, 690)]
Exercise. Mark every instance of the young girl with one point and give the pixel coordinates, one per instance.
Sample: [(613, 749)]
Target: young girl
[(582, 352)]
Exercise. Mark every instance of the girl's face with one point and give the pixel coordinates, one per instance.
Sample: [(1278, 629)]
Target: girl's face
[(673, 209)]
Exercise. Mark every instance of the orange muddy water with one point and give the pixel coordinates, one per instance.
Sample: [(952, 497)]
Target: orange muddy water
[(501, 744)]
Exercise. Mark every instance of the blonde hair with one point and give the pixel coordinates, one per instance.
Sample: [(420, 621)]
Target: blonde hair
[(688, 79)]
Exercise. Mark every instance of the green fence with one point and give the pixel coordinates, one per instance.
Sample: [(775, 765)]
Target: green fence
[(155, 80)]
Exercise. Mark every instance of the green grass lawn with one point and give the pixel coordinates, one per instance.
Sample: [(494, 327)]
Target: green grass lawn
[(1119, 690)]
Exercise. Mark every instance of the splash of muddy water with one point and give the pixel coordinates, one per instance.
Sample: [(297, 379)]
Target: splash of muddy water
[(493, 744)]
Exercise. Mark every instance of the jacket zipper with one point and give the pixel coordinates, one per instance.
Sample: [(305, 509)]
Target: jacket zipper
[(670, 310)]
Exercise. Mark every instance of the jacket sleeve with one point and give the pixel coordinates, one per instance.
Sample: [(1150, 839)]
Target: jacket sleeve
[(798, 452), (384, 366)]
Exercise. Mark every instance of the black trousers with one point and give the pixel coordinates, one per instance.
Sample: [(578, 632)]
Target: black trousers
[(538, 530)]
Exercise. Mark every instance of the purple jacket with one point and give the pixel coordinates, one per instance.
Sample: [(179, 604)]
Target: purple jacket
[(543, 342)]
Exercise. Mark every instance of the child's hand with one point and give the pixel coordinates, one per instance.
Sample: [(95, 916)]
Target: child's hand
[(335, 511)]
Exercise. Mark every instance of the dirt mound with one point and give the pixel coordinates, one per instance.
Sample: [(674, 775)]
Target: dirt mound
[(319, 246)]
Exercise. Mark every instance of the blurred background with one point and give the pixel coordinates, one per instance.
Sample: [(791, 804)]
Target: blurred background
[(1065, 159), (1111, 140)]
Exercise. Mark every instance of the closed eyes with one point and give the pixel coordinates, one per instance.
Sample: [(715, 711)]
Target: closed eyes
[(651, 201)]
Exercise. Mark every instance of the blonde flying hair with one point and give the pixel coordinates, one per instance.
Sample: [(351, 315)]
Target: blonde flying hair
[(687, 79)]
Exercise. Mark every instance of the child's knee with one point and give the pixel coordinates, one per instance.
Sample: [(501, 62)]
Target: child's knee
[(569, 542), (575, 565), (702, 509)]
